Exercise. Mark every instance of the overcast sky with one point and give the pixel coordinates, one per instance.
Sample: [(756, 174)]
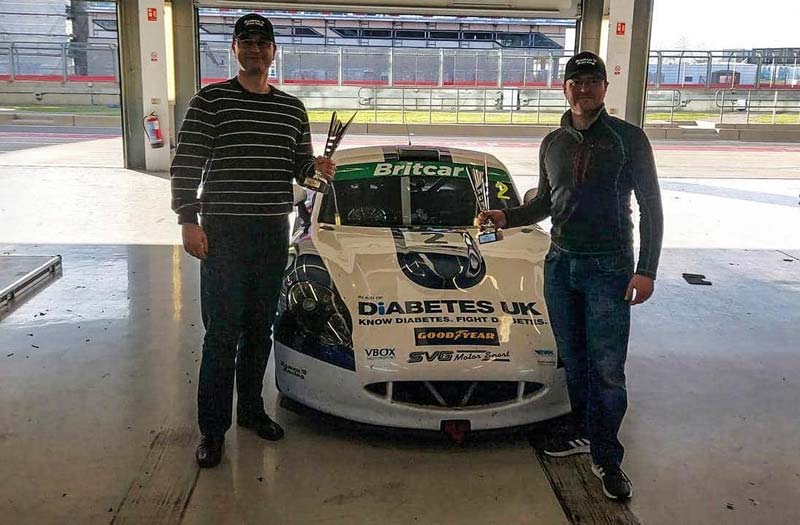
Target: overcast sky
[(718, 24)]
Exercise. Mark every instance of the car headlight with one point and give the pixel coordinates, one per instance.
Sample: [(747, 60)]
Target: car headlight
[(320, 312)]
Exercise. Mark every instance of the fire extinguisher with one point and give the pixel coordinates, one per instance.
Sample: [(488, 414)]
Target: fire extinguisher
[(153, 130)]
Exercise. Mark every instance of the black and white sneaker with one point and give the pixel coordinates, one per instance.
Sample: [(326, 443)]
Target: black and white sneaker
[(560, 447), (616, 484)]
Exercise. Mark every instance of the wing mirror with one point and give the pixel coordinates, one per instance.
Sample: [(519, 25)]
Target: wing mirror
[(530, 195)]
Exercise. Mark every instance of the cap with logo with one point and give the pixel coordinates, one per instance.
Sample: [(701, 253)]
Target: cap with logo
[(585, 62), (253, 24)]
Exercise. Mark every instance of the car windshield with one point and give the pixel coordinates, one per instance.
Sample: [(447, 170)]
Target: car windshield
[(429, 201)]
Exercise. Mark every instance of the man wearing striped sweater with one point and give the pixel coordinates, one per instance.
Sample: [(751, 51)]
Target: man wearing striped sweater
[(241, 144)]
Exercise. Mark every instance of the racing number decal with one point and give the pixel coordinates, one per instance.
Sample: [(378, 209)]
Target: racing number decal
[(502, 189), (435, 238)]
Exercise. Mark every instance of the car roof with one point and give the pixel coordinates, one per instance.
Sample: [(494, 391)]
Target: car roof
[(391, 153)]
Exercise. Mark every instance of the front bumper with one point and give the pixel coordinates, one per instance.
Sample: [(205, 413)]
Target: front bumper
[(339, 392)]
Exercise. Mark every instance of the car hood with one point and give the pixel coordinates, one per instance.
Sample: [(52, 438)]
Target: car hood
[(430, 303)]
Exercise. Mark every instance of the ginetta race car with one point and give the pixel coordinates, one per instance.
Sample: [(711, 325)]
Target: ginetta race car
[(393, 314)]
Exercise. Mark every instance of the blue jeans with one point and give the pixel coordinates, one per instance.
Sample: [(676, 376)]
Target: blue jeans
[(240, 282), (585, 297)]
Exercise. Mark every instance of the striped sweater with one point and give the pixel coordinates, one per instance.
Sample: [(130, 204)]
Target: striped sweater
[(238, 152)]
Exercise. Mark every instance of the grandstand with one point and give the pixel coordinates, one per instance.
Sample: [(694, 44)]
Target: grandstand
[(374, 50)]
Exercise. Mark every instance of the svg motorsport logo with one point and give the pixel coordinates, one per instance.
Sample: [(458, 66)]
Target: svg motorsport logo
[(458, 355), (456, 336)]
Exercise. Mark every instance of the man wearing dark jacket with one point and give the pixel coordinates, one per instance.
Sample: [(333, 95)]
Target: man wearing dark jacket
[(240, 146), (587, 171)]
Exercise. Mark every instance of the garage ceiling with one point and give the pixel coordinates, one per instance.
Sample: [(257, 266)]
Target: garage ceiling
[(502, 8)]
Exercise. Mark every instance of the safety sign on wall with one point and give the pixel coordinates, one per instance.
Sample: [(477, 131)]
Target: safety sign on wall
[(620, 28), (152, 14)]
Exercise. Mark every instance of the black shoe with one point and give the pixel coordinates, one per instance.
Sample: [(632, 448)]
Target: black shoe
[(616, 484), (265, 427), (209, 451), (561, 446)]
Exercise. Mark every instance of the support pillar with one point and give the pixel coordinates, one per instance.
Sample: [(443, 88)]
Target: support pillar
[(629, 24), (591, 24), (142, 34), (187, 75), (130, 71)]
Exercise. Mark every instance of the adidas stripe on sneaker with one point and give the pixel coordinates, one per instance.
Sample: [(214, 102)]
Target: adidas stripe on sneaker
[(560, 448), (616, 484)]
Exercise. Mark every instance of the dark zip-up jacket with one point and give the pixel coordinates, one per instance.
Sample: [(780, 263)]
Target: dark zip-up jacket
[(585, 182)]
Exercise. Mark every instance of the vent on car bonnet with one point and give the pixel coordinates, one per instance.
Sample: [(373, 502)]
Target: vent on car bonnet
[(454, 394)]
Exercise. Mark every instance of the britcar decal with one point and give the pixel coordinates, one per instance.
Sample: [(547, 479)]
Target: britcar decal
[(401, 168)]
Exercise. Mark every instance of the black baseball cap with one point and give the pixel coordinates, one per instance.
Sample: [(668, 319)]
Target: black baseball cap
[(253, 24), (585, 62)]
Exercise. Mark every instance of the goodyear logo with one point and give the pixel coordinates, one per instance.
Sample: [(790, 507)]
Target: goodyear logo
[(456, 336)]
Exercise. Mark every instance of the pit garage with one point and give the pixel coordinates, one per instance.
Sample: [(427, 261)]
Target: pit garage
[(100, 330)]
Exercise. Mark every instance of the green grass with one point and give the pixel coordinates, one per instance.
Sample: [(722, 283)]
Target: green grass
[(450, 117), (680, 116), (780, 118), (730, 117), (437, 117)]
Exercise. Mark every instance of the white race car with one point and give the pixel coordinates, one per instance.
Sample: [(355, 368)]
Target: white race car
[(393, 314)]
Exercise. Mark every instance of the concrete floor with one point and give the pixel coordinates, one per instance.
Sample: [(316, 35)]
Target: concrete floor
[(99, 368)]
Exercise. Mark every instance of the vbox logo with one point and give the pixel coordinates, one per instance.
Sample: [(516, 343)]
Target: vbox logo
[(379, 353)]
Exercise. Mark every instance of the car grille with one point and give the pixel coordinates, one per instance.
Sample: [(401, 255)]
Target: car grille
[(454, 394)]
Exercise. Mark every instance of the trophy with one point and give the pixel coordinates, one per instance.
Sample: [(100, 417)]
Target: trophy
[(336, 131), (480, 186)]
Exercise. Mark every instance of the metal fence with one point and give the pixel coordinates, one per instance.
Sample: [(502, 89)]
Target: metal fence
[(454, 105), (756, 103), (396, 67), (446, 85), (546, 105), (58, 62), (709, 69), (402, 67)]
